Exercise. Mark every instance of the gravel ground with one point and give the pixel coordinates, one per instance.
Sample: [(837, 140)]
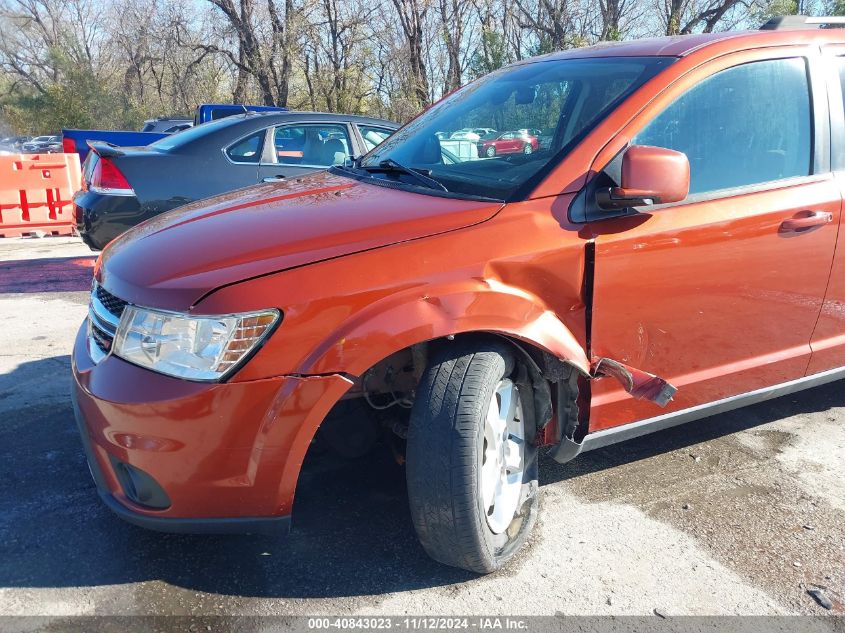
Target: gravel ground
[(736, 514)]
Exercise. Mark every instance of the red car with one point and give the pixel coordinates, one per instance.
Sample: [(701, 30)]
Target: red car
[(509, 143)]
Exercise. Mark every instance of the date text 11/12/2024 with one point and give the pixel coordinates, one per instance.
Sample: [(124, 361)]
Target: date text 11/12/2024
[(481, 623)]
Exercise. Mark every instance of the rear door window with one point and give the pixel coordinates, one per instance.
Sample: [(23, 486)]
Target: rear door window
[(311, 144), (247, 150), (746, 125), (373, 136)]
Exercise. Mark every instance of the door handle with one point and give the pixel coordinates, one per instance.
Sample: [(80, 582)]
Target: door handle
[(275, 178), (806, 220)]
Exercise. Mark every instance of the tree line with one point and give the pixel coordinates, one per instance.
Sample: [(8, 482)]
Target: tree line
[(112, 64)]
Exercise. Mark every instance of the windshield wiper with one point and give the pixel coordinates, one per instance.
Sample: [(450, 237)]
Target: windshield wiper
[(389, 165)]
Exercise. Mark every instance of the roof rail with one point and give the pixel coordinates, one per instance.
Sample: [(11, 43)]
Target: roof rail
[(783, 22)]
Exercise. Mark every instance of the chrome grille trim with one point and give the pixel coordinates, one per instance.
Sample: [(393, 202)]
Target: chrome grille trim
[(102, 341), (95, 348), (102, 322), (97, 311)]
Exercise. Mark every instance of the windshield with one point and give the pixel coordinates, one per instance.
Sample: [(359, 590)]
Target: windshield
[(498, 136)]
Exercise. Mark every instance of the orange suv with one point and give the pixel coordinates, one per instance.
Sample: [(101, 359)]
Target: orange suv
[(670, 251)]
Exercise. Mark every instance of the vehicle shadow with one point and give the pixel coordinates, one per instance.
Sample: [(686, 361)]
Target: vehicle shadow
[(352, 534), (817, 399), (55, 274)]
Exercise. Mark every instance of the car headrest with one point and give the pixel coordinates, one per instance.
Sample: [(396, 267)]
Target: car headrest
[(334, 152)]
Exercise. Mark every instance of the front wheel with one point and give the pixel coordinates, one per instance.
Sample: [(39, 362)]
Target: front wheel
[(471, 459), (527, 149), (490, 151)]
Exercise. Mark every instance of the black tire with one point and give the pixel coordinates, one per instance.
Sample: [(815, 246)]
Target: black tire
[(444, 457), (527, 149), (490, 152)]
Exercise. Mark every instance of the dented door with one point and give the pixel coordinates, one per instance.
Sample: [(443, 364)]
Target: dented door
[(719, 294)]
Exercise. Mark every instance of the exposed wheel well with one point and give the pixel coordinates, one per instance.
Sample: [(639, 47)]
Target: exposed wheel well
[(388, 387)]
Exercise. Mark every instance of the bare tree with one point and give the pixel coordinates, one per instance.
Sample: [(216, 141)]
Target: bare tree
[(453, 18), (38, 36), (552, 20), (412, 15), (611, 19), (250, 59), (266, 60), (115, 63), (336, 55), (281, 48), (687, 16)]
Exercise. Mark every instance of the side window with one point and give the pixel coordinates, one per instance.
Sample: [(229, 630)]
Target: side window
[(373, 136), (746, 125), (311, 144), (247, 150)]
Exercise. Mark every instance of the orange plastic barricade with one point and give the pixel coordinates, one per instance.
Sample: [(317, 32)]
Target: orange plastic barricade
[(36, 192)]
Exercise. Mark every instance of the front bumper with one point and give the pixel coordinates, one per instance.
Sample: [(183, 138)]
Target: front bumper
[(226, 456)]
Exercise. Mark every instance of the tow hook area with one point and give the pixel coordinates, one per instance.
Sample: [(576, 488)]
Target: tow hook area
[(638, 383)]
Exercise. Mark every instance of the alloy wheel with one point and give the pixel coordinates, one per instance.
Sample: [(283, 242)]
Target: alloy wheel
[(503, 456)]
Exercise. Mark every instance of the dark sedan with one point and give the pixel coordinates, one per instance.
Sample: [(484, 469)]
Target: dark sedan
[(13, 143), (123, 186), (43, 145)]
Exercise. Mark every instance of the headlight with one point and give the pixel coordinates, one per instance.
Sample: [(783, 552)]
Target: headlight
[(196, 348)]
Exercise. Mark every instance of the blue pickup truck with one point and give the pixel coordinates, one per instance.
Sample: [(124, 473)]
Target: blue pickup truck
[(76, 141)]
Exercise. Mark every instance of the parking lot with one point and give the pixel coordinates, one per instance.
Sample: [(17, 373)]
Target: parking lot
[(736, 514)]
